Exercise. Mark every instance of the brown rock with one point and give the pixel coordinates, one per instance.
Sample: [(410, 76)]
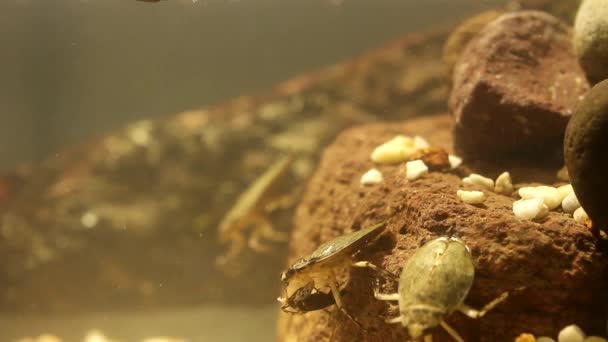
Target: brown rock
[(585, 148), (462, 35), (515, 87), (436, 158), (557, 259)]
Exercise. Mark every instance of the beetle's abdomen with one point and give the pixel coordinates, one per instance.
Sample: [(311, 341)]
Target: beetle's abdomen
[(439, 275)]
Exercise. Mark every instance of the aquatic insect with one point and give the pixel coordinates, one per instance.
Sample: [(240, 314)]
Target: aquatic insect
[(434, 283), (318, 270), (250, 210)]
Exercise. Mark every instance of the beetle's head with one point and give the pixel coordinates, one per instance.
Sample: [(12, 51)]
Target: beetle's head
[(421, 322), (287, 274)]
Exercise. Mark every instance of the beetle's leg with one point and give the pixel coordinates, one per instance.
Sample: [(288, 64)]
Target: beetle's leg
[(473, 313), (333, 285), (382, 271), (455, 335)]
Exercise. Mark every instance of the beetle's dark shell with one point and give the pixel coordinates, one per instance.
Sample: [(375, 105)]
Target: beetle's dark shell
[(342, 245), (438, 275)]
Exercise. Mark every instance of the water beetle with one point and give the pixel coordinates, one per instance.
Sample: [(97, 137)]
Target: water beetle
[(318, 270), (434, 283)]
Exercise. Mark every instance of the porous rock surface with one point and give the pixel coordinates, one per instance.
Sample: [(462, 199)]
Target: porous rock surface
[(555, 258), (515, 86)]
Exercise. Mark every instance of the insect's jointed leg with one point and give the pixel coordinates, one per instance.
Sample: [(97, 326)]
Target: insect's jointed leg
[(473, 313), (333, 284), (382, 271), (455, 335)]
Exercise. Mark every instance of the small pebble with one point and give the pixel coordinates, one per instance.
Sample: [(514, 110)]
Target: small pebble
[(477, 179), (371, 177), (415, 169), (549, 194), (89, 219), (454, 161), (504, 184), (562, 174), (580, 216), (565, 190), (545, 339), (396, 150), (595, 339), (525, 337), (420, 142), (570, 203), (470, 197), (529, 209), (571, 333)]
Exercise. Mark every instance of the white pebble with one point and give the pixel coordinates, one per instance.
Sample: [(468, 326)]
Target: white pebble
[(549, 194), (415, 169), (371, 177), (503, 184), (595, 339), (471, 197), (580, 216), (396, 150), (570, 203), (89, 219), (571, 333), (565, 190), (562, 174), (545, 339), (477, 179), (529, 209), (420, 142), (454, 161)]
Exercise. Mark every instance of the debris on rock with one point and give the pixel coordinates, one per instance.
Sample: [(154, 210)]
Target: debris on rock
[(479, 180), (570, 203), (591, 38), (471, 197), (436, 158), (503, 184), (585, 149), (525, 338), (371, 177), (396, 150), (580, 216), (550, 195), (562, 174), (455, 161), (530, 209), (571, 333), (514, 88), (415, 169)]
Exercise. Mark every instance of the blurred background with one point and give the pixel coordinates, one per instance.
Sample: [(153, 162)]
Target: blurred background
[(75, 69)]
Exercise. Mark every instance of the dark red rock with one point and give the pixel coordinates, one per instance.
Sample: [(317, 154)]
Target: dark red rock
[(585, 152), (515, 87), (556, 258)]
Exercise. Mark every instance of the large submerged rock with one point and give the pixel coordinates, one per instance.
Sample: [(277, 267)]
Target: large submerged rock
[(515, 87), (555, 258)]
